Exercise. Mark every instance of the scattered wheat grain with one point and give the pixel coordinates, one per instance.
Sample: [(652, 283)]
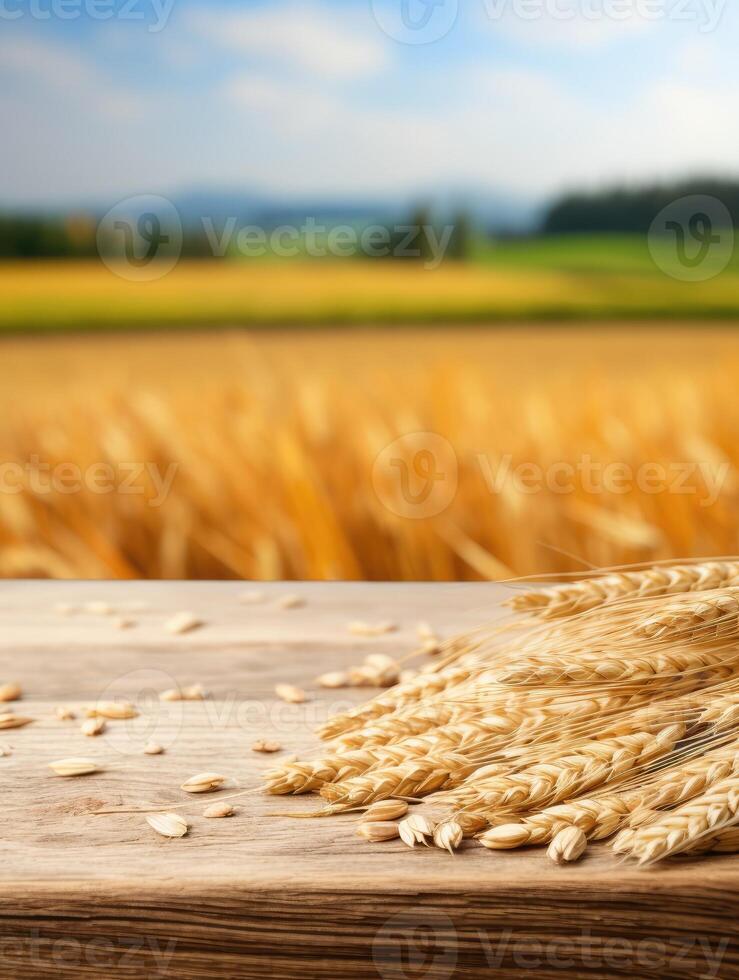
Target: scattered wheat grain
[(290, 693), (205, 782), (93, 726), (183, 622), (168, 824), (217, 811), (8, 721), (265, 746), (74, 767)]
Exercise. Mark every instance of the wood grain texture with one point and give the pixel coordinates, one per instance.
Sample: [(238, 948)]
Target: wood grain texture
[(260, 895)]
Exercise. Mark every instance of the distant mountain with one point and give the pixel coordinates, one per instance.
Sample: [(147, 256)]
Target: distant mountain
[(490, 211)]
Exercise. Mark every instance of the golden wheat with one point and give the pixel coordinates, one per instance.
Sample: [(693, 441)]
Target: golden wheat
[(565, 600), (310, 414), (685, 828)]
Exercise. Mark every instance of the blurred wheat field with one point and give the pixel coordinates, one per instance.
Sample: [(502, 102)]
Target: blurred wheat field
[(274, 439), (591, 279)]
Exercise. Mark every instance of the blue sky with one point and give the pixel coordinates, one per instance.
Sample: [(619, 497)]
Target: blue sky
[(295, 97)]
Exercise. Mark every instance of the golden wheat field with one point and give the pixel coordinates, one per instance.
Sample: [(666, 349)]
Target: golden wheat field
[(275, 454)]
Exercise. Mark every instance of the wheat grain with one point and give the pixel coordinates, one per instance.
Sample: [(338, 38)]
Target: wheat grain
[(290, 602), (415, 829), (266, 746), (217, 811), (98, 608), (378, 831), (385, 810), (569, 845), (10, 692), (333, 680), (65, 713), (448, 835), (252, 597), (9, 720), (123, 623), (74, 767), (372, 629), (168, 824), (183, 622), (205, 782), (290, 693), (93, 726), (113, 710)]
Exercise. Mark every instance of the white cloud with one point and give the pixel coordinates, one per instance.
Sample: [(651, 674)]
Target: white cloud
[(58, 72), (297, 107), (568, 24), (329, 43)]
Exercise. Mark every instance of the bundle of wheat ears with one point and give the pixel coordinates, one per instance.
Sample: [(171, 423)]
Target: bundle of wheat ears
[(607, 708)]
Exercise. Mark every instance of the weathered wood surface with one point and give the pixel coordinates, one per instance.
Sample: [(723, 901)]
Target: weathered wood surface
[(266, 896)]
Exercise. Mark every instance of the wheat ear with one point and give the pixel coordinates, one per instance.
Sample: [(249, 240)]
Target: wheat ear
[(561, 670), (595, 763), (571, 598), (684, 828), (713, 615), (597, 818), (421, 687)]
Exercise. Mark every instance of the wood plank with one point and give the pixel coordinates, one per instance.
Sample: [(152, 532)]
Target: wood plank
[(260, 895)]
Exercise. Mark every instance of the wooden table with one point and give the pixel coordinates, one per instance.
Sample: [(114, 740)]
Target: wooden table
[(264, 896)]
